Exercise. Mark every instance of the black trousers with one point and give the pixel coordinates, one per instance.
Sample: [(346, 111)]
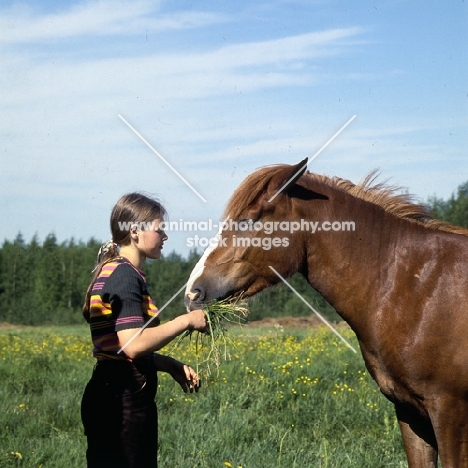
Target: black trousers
[(119, 415)]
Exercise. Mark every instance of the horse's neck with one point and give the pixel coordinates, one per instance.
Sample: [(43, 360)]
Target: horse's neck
[(353, 269)]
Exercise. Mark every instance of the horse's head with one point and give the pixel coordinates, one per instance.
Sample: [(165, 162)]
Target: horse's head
[(260, 230)]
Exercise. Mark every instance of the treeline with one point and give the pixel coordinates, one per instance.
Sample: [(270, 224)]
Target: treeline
[(45, 282), (455, 209)]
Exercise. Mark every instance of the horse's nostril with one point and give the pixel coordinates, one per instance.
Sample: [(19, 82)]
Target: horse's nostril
[(193, 295)]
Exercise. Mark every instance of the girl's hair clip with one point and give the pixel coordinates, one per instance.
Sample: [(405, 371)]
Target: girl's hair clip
[(103, 250)]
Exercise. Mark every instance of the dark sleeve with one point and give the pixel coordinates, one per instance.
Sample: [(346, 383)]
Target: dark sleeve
[(125, 288)]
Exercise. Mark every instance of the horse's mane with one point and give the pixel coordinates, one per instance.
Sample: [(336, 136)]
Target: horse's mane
[(390, 198)]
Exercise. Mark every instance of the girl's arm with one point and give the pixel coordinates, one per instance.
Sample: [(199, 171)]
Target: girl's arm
[(138, 342)]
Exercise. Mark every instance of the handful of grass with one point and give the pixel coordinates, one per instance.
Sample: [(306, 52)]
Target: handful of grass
[(211, 347)]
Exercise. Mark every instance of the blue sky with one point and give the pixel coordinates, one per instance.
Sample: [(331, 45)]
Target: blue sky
[(219, 89)]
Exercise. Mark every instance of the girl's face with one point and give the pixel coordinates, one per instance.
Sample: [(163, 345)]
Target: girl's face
[(151, 240)]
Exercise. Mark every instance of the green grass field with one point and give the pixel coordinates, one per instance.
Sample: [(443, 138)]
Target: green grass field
[(286, 398)]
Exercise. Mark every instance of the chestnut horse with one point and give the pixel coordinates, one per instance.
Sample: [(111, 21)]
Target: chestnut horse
[(397, 277)]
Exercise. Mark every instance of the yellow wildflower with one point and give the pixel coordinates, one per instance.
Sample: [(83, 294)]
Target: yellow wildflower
[(17, 455)]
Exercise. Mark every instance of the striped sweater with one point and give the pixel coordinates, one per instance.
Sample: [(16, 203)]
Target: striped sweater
[(119, 300)]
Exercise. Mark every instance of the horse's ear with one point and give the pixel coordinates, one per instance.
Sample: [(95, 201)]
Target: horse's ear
[(286, 178), (282, 181)]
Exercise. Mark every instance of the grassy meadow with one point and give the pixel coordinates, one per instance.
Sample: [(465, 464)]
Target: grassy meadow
[(285, 398)]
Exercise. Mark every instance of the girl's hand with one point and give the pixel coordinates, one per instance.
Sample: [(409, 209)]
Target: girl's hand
[(198, 320), (186, 377)]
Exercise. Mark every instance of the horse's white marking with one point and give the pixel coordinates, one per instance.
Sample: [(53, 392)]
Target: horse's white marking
[(196, 272), (200, 266)]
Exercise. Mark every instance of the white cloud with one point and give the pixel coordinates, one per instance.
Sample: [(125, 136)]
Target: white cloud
[(288, 49), (98, 18), (233, 68), (59, 102)]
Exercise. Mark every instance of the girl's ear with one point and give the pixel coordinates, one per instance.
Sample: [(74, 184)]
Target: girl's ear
[(134, 232)]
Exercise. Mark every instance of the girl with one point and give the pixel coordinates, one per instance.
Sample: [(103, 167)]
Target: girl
[(118, 409)]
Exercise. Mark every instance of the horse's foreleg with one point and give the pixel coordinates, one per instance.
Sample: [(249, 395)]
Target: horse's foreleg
[(418, 438), (450, 419)]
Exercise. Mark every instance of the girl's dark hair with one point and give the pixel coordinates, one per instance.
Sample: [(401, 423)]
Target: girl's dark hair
[(130, 212)]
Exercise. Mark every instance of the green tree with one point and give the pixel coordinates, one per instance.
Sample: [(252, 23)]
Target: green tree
[(14, 279), (454, 210), (50, 279)]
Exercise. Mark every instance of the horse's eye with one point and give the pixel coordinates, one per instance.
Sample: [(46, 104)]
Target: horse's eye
[(247, 224)]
